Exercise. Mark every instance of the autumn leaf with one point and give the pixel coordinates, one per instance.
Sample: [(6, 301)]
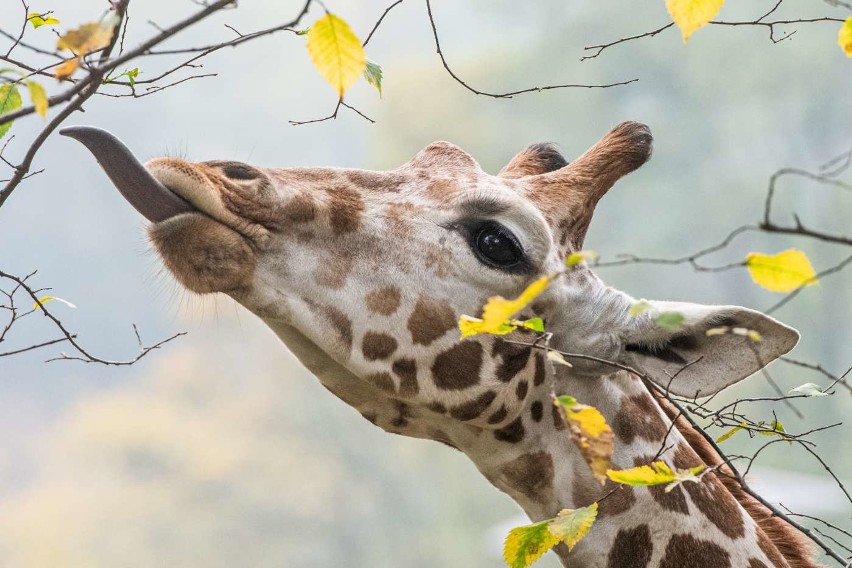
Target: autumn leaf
[(498, 311), (639, 308), (590, 433), (844, 37), (373, 75), (526, 544), (689, 15), (39, 98), (82, 41), (10, 99), (730, 433), (752, 334), (336, 52), (557, 358), (783, 272), (44, 299), (39, 20), (571, 525), (657, 473)]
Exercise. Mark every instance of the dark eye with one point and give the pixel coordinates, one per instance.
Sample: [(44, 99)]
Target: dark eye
[(496, 246)]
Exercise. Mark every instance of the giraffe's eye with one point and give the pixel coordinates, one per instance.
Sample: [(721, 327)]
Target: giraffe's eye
[(496, 246)]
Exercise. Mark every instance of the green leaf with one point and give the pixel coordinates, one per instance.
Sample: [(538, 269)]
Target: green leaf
[(498, 311), (39, 20), (337, 52), (808, 389), (10, 99), (670, 320), (571, 525), (39, 98), (730, 433), (373, 75), (526, 544)]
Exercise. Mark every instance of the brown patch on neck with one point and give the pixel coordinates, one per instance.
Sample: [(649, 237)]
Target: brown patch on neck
[(430, 320), (686, 550), (345, 209), (530, 474), (384, 301), (632, 548), (782, 544)]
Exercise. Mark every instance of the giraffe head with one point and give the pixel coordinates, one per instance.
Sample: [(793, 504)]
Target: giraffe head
[(364, 276)]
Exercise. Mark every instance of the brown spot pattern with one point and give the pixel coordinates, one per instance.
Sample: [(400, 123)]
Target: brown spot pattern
[(442, 189), (498, 416), (522, 389), (614, 499), (537, 410), (632, 548), (406, 370), (720, 508), (332, 271), (513, 433), (376, 181), (531, 475), (755, 563), (430, 320), (539, 373), (474, 408), (639, 416), (458, 367), (345, 208), (437, 407), (558, 419), (403, 414), (341, 323), (686, 551), (384, 301), (300, 209), (377, 346), (513, 359), (382, 381)]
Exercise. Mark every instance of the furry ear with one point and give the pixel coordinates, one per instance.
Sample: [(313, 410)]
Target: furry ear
[(689, 362)]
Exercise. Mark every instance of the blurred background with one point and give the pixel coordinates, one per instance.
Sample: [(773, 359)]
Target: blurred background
[(220, 450)]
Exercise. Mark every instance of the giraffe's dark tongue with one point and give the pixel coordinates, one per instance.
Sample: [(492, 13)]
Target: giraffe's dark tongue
[(147, 195)]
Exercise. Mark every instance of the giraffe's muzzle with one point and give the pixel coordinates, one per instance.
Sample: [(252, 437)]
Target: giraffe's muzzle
[(147, 195)]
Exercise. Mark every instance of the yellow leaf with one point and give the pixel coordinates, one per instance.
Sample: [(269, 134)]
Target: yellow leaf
[(88, 37), (45, 299), (730, 433), (657, 473), (336, 52), (571, 525), (39, 20), (581, 256), (844, 37), (590, 433), (639, 308), (526, 544), (39, 98), (783, 272), (66, 69), (498, 311), (689, 15)]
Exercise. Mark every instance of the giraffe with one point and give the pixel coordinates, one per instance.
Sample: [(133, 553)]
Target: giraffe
[(363, 276)]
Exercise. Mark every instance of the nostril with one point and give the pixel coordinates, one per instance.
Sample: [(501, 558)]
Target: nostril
[(238, 170)]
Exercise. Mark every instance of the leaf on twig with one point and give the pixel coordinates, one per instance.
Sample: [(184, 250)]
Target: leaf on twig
[(526, 544), (571, 525), (373, 75), (38, 20), (557, 358), (10, 99), (730, 433), (782, 272), (336, 52), (657, 473), (498, 311), (39, 98), (83, 41), (808, 389), (690, 15), (590, 433)]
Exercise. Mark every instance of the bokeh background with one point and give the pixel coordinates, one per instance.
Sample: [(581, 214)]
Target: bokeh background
[(220, 450)]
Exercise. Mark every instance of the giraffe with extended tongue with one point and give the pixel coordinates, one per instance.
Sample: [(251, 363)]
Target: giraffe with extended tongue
[(363, 275)]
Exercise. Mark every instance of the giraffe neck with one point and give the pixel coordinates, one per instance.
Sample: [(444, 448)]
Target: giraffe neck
[(697, 524)]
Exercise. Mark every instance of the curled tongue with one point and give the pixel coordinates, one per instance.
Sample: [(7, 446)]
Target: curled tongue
[(147, 195)]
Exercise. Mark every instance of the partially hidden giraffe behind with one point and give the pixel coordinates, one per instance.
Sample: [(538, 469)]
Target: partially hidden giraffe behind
[(363, 275)]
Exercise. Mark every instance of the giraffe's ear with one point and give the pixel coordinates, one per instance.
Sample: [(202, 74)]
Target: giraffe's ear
[(696, 350), (537, 159)]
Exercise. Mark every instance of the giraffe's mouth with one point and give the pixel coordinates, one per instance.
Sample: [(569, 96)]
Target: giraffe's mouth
[(142, 190)]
